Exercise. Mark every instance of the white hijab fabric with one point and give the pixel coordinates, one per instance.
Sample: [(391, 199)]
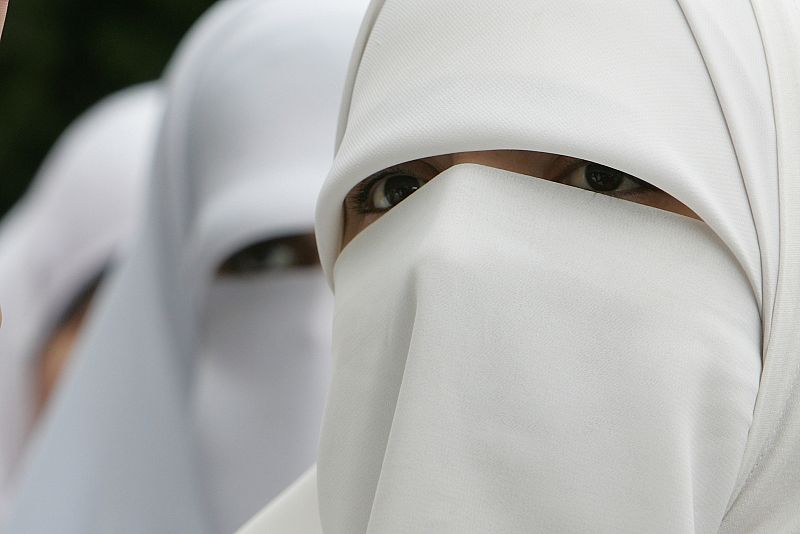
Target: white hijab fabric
[(292, 512), (486, 393), (248, 134), (75, 222)]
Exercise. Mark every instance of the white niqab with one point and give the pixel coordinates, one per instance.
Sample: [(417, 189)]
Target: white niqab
[(536, 380), (74, 223), (514, 355), (264, 367), (180, 384)]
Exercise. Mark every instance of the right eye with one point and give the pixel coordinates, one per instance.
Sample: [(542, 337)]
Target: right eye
[(390, 190)]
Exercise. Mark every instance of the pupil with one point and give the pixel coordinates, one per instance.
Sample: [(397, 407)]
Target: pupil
[(602, 178), (398, 187)]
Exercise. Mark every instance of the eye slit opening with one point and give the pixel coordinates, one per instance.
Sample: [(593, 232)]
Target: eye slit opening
[(280, 253), (359, 212)]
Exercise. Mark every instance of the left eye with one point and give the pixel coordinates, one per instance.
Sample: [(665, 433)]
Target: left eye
[(602, 179), (389, 191)]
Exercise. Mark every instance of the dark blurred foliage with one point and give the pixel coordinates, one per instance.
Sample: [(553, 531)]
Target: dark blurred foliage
[(58, 57)]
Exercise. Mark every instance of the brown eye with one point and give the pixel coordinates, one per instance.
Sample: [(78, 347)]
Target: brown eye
[(602, 179), (390, 190)]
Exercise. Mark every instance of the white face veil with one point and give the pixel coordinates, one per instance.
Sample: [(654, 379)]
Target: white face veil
[(72, 225), (263, 375), (514, 355), (180, 384)]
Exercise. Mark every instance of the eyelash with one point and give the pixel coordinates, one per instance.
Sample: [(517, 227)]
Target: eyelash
[(643, 189), (358, 199)]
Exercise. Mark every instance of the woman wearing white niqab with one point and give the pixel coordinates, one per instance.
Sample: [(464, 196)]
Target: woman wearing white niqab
[(56, 245), (198, 391), (514, 355)]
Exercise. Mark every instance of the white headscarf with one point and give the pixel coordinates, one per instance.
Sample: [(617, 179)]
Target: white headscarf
[(185, 381), (513, 355), (70, 227)]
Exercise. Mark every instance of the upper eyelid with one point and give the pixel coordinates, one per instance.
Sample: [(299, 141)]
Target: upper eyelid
[(564, 173), (368, 182)]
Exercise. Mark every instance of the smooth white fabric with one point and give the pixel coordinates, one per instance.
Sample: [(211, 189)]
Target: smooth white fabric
[(138, 441), (74, 223), (293, 512), (768, 490), (562, 363), (263, 374)]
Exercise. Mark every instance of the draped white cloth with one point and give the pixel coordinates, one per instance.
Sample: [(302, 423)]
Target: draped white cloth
[(294, 511), (73, 224), (264, 368), (195, 398), (512, 355), (563, 362)]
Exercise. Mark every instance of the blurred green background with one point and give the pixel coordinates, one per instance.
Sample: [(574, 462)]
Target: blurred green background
[(58, 57)]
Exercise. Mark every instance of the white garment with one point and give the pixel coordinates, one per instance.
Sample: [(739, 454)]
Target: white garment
[(248, 135), (478, 385), (263, 374), (72, 225), (294, 511), (564, 362)]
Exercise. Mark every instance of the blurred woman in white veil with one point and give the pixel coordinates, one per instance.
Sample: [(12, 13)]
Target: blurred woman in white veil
[(197, 392), (57, 245), (563, 239)]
